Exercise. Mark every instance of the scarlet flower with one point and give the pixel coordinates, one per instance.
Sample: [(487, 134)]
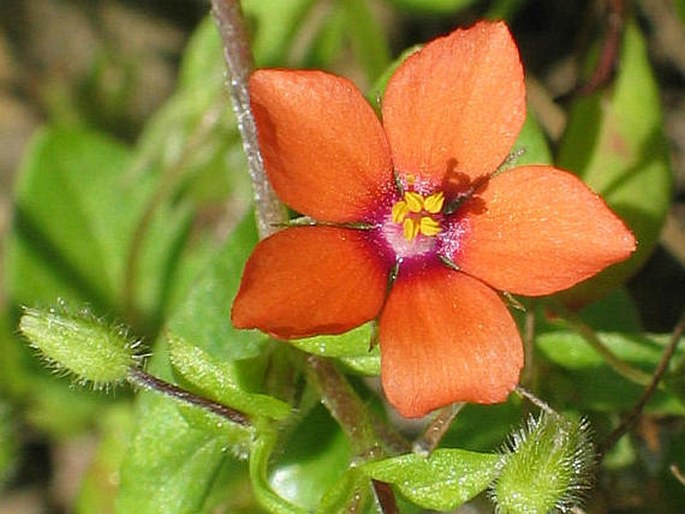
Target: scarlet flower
[(415, 229)]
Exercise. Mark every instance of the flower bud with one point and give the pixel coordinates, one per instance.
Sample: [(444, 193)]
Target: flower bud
[(78, 343), (548, 465)]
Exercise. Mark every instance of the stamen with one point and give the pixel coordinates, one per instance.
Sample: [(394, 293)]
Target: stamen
[(434, 202), (399, 211), (410, 228), (414, 201), (429, 227)]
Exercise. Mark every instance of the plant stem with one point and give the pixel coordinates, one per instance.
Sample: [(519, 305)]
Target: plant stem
[(143, 379), (386, 497), (639, 406), (340, 399), (429, 440), (345, 406), (540, 404), (586, 332), (270, 211)]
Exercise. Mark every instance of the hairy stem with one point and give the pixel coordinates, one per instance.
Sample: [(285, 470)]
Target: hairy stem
[(344, 405), (143, 379), (434, 432), (270, 211)]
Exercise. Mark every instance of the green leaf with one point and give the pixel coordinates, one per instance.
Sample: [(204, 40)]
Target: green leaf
[(71, 220), (75, 215), (614, 141), (442, 481), (532, 142), (616, 312), (592, 383), (353, 348), (435, 6), (312, 460), (187, 453), (8, 443), (221, 380), (259, 465), (98, 490), (353, 489), (204, 316), (378, 90), (275, 23), (170, 466), (355, 343)]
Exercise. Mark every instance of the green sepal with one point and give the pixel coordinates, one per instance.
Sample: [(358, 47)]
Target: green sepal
[(549, 466), (441, 481), (78, 343)]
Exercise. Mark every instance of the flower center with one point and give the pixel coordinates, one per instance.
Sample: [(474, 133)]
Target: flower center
[(418, 214)]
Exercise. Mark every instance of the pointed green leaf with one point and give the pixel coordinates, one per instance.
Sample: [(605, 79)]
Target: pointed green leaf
[(75, 215), (532, 143), (71, 220), (185, 449), (221, 380), (592, 383), (442, 481), (170, 466), (353, 348), (204, 316), (614, 141)]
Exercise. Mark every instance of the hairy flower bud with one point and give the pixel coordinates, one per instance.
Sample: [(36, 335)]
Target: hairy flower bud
[(78, 343), (547, 466)]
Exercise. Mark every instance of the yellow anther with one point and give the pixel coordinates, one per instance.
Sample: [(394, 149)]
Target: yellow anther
[(399, 211), (434, 202), (429, 227), (414, 201), (410, 228)]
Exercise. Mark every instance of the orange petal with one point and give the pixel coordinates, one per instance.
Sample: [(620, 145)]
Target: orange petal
[(323, 146), (457, 105), (446, 337), (306, 281), (540, 230)]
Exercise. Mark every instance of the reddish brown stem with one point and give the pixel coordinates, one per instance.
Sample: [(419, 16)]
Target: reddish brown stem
[(605, 69), (141, 378), (639, 406)]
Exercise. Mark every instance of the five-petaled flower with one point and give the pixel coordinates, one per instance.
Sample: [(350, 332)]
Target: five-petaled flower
[(416, 229)]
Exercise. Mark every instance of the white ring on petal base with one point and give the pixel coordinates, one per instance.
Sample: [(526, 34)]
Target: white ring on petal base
[(402, 248)]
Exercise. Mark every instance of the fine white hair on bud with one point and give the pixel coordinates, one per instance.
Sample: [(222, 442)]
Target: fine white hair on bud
[(76, 342), (548, 465)]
